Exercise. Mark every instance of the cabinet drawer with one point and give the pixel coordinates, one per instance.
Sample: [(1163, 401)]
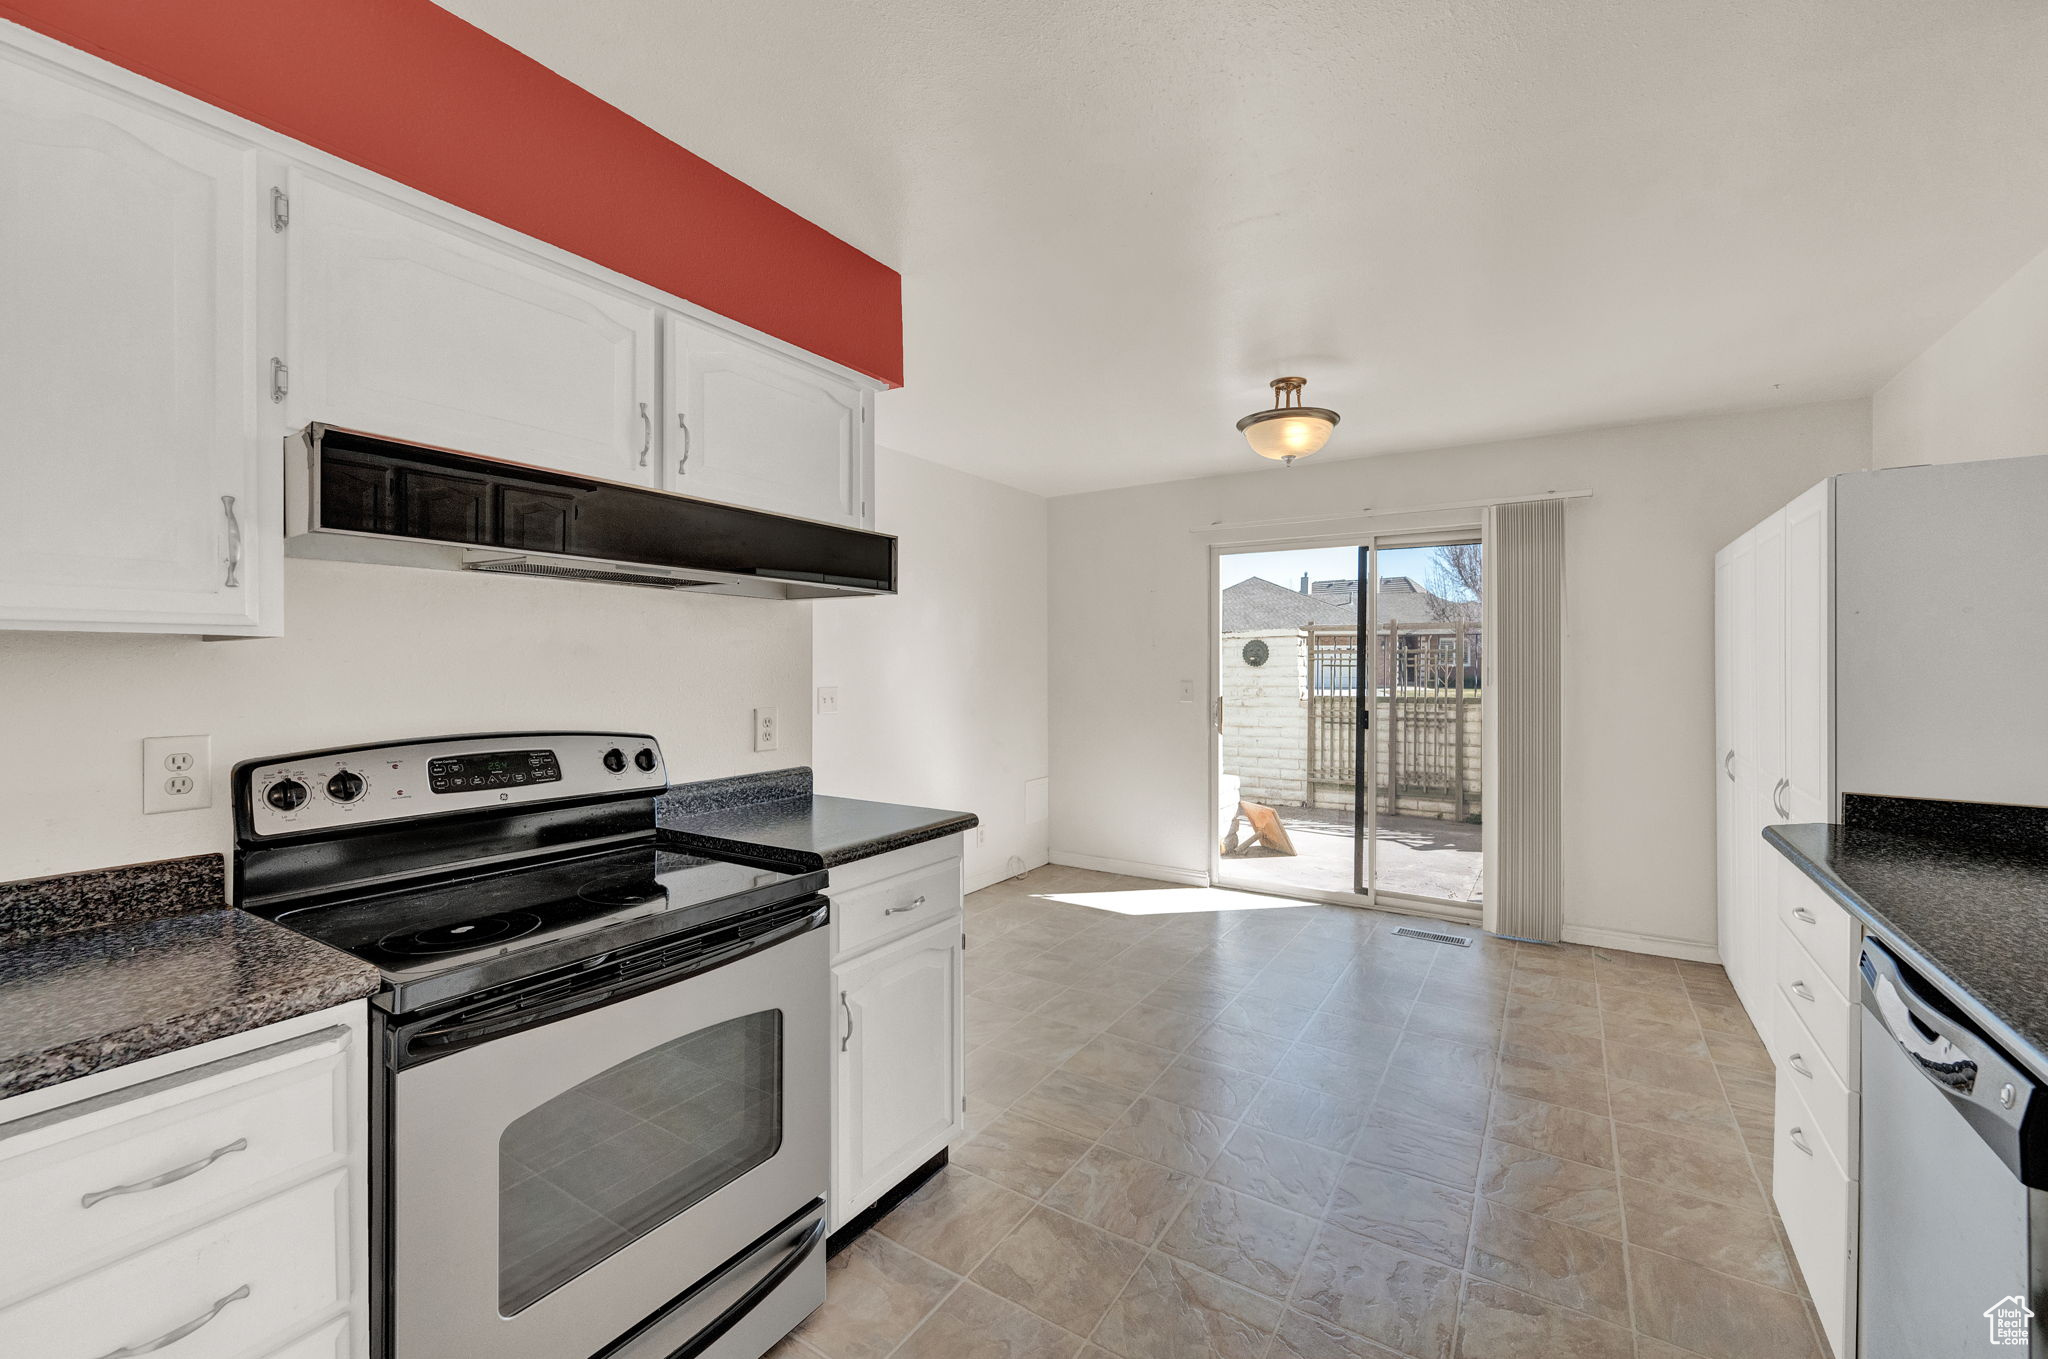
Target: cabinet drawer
[(260, 1272), (1817, 1201), (1834, 1105), (98, 1179), (861, 872), (895, 906), (1826, 931), (1829, 1018)]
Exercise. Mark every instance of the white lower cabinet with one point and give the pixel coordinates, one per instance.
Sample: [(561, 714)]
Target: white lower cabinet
[(899, 1066), (212, 1209)]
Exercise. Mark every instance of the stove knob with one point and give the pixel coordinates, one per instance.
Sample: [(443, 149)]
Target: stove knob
[(615, 760), (645, 759), (345, 786), (287, 795)]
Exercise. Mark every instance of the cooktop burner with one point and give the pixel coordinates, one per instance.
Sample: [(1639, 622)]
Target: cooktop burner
[(490, 929), (635, 891)]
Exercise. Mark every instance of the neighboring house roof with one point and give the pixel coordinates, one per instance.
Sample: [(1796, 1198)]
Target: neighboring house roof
[(1258, 605)]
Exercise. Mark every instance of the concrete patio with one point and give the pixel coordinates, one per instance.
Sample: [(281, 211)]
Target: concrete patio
[(1418, 856)]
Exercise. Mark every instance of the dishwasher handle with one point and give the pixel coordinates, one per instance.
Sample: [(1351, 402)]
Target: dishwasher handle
[(1925, 1035), (1979, 1080)]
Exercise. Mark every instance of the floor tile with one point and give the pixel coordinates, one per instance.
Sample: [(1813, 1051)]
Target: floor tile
[(1305, 1337), (955, 1218), (1172, 1134), (1079, 1105), (1501, 1323), (1412, 1214), (1157, 1025), (1064, 1270), (876, 1293), (1550, 1186), (1245, 1240), (1553, 1129), (1000, 1076), (1705, 1117), (1710, 1170), (1715, 1315), (1172, 1310), (1043, 1038), (1435, 1058), (1119, 1061), (1447, 1104), (1341, 1071), (975, 1324), (1309, 1115), (1121, 1193), (1741, 1241), (1534, 1077), (1372, 1290), (1417, 1147), (1293, 1175), (1557, 1262), (1020, 1153), (1231, 1046), (1213, 1089), (1662, 1069)]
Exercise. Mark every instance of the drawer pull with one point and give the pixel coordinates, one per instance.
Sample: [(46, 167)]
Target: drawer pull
[(1798, 1136), (846, 1037), (1802, 990), (1798, 1064), (915, 902), (1804, 916), (169, 1338), (168, 1177)]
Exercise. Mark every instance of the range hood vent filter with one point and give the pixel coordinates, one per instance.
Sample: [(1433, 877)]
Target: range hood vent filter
[(520, 566)]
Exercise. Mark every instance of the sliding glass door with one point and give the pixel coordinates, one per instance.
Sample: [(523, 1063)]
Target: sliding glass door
[(1348, 734)]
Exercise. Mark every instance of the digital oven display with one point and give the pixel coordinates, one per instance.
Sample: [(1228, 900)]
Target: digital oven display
[(494, 769)]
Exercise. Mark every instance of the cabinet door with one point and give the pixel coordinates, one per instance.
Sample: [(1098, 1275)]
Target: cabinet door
[(136, 497), (403, 327), (759, 429), (1809, 655), (900, 1075)]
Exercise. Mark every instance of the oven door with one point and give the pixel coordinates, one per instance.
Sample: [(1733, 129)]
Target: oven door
[(553, 1187)]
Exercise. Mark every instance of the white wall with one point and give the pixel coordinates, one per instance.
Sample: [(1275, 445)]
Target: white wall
[(942, 689), (373, 653), (1980, 391), (1130, 622)]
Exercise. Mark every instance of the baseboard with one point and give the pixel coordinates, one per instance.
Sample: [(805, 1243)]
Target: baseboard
[(990, 877), (1632, 942), (1131, 868)]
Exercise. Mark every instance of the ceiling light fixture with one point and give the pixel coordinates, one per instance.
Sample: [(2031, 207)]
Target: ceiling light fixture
[(1290, 430)]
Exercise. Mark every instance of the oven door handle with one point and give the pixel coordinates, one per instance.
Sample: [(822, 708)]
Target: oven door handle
[(666, 1333), (455, 1032)]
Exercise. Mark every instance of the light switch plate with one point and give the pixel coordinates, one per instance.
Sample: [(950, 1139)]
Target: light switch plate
[(764, 728), (177, 773), (828, 698)]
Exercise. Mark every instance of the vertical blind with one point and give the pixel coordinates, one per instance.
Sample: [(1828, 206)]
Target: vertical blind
[(1525, 622)]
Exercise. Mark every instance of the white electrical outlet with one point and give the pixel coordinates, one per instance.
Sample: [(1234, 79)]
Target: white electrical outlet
[(177, 773), (764, 728), (1187, 691), (828, 698)]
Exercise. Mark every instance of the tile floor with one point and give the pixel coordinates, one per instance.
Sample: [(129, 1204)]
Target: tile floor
[(1277, 1131)]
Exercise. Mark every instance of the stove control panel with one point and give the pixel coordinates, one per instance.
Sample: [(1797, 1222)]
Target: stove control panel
[(364, 785)]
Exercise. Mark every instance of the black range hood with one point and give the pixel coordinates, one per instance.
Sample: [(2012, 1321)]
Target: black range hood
[(355, 497)]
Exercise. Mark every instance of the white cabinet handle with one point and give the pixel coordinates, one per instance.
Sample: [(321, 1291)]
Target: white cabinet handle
[(846, 1037), (1798, 1136), (227, 504), (1804, 916), (683, 466), (915, 902), (1798, 1064), (168, 1177), (646, 433), (1777, 802), (169, 1338), (280, 380), (1802, 990), (1728, 765)]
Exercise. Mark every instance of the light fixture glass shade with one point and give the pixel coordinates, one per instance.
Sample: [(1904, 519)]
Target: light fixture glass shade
[(1288, 434)]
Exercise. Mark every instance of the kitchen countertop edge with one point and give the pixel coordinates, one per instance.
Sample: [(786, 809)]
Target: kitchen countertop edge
[(1806, 846)]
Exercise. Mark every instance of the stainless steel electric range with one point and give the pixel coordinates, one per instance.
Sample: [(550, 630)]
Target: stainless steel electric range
[(601, 1085)]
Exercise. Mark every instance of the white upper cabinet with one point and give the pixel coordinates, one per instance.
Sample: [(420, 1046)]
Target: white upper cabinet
[(1809, 655), (410, 329), (756, 428), (137, 497)]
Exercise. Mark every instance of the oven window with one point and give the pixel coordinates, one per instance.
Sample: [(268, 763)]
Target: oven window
[(601, 1165)]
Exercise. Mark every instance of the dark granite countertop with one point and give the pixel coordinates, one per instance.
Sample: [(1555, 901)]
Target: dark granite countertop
[(778, 819), (121, 978), (1969, 913)]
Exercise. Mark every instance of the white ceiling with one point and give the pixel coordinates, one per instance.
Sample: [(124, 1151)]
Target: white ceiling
[(1116, 219)]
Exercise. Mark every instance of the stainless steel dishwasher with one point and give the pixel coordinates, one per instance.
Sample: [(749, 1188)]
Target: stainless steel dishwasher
[(1952, 1161)]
